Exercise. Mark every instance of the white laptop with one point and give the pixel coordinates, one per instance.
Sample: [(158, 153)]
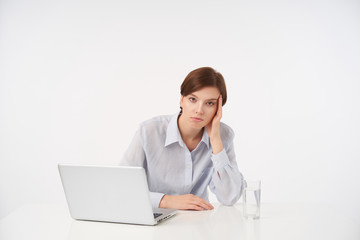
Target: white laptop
[(110, 194)]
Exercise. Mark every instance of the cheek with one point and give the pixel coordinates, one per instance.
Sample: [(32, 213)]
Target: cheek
[(211, 113), (188, 107)]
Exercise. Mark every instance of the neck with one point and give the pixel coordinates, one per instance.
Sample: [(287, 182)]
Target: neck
[(187, 133)]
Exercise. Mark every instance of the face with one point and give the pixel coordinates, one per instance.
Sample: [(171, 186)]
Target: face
[(199, 108)]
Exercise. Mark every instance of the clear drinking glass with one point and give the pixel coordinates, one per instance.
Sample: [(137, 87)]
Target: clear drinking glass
[(251, 199)]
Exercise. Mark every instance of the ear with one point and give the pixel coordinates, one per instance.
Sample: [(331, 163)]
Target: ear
[(181, 100)]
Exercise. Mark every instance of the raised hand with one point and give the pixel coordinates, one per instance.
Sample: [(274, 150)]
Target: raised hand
[(213, 129)]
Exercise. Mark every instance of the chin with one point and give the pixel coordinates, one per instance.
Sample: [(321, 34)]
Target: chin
[(198, 126)]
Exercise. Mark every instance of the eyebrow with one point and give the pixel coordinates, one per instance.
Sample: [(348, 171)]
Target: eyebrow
[(212, 99)]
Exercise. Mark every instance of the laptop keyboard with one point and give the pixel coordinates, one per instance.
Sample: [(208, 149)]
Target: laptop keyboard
[(157, 215)]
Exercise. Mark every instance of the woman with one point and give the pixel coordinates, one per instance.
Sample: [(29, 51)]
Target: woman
[(185, 153)]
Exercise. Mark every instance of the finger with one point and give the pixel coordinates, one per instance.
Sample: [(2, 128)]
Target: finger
[(198, 201), (209, 206), (206, 206), (220, 105), (195, 207), (202, 203)]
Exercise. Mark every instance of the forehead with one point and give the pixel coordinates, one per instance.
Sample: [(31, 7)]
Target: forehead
[(207, 93)]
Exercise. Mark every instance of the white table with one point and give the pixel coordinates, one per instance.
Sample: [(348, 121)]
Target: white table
[(278, 221)]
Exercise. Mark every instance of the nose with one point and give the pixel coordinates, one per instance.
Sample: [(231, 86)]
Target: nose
[(199, 108)]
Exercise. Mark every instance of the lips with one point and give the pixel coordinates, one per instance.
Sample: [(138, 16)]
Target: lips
[(195, 119)]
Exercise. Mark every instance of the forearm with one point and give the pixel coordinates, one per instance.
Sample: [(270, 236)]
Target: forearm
[(216, 144), (156, 199), (226, 181)]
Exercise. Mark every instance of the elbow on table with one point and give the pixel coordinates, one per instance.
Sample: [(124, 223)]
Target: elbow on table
[(230, 201), (230, 194)]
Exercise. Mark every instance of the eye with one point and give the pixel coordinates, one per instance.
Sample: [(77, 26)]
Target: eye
[(211, 103), (191, 99)]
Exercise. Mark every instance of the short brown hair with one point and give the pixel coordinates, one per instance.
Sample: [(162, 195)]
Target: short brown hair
[(204, 77)]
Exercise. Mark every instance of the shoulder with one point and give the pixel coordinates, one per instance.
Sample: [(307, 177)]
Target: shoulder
[(155, 121), (155, 125)]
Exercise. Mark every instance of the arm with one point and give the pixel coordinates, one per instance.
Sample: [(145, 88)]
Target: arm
[(135, 156), (226, 181)]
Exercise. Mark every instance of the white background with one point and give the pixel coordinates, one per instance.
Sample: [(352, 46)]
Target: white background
[(77, 77)]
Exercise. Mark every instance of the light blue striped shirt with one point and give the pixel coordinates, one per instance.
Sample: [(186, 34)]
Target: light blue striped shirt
[(172, 169)]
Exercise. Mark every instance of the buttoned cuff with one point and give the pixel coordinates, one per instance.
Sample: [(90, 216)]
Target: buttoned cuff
[(220, 160), (156, 198)]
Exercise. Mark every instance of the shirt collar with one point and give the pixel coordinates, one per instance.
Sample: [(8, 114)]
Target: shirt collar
[(205, 138), (173, 134)]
